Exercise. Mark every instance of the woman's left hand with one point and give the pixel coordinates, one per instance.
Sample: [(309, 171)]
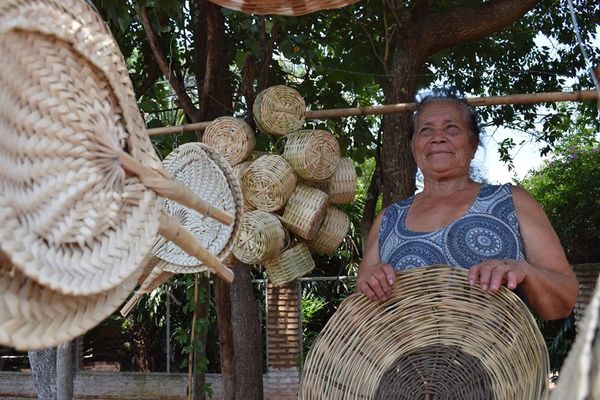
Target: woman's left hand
[(492, 274)]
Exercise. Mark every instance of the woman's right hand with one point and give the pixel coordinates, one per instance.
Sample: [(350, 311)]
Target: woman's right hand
[(376, 280)]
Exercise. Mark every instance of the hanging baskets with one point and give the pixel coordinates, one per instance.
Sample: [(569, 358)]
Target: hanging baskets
[(261, 237), (279, 110), (289, 265), (342, 184), (231, 137), (305, 211), (268, 182), (290, 8), (434, 337), (314, 154), (239, 170), (331, 233)]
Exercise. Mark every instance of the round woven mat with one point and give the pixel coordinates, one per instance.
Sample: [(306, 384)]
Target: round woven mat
[(35, 317), (207, 174), (66, 106), (290, 8), (436, 337)]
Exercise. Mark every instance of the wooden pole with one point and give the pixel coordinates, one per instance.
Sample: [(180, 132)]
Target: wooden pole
[(528, 98)]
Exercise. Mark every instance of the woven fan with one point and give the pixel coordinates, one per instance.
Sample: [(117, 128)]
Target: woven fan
[(436, 337), (78, 176), (207, 174), (290, 8)]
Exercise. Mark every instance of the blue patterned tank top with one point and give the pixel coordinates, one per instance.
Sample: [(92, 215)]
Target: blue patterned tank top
[(488, 230)]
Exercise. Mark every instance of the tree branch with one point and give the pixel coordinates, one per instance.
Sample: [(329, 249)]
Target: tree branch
[(463, 24), (159, 56)]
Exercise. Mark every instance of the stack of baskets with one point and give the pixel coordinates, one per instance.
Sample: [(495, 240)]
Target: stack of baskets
[(289, 198)]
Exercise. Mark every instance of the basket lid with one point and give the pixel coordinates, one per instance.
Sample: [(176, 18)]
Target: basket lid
[(66, 203), (289, 8), (208, 175)]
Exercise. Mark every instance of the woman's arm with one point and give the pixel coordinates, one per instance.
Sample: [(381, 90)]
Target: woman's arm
[(546, 278), (375, 278)]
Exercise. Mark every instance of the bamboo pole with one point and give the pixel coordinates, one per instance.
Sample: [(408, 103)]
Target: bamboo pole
[(528, 98)]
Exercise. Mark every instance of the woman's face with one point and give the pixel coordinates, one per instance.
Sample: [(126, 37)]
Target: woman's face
[(442, 145)]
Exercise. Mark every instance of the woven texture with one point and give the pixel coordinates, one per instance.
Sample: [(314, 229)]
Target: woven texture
[(313, 154), (279, 110), (231, 137), (436, 337), (208, 175), (332, 232), (292, 263), (268, 183), (290, 8), (35, 317), (341, 186), (262, 237), (239, 170), (67, 105), (305, 211)]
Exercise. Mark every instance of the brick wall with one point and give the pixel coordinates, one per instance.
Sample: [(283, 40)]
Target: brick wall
[(283, 326), (587, 275)]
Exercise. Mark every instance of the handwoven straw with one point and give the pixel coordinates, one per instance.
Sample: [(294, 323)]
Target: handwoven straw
[(232, 137), (208, 175), (342, 184), (331, 233), (239, 170), (279, 110), (71, 218), (261, 237), (579, 377), (305, 211), (314, 154), (268, 182), (292, 263), (435, 337), (35, 317), (290, 8)]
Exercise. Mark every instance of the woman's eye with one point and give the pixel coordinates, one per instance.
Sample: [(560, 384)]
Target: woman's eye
[(452, 129), (425, 131)]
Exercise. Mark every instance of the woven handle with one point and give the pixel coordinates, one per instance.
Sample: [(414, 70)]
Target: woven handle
[(172, 230), (172, 189)]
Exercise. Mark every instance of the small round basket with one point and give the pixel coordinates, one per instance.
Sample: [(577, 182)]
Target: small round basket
[(305, 211), (207, 174), (314, 154), (331, 233), (279, 110), (292, 263), (239, 170), (435, 337), (342, 184), (231, 137), (289, 8), (268, 183), (261, 237)]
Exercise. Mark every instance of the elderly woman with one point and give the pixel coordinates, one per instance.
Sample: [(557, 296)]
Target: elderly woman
[(500, 233)]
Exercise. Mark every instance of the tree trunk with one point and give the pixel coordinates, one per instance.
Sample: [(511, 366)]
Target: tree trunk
[(43, 367), (64, 371), (223, 301)]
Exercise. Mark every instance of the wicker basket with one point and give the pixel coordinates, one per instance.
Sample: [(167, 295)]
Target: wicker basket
[(292, 263), (279, 110), (305, 211), (342, 184), (261, 237), (208, 175), (435, 337), (331, 233), (314, 154), (290, 8), (239, 170), (268, 183), (232, 137)]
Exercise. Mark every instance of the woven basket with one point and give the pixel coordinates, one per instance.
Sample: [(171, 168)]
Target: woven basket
[(305, 211), (239, 170), (292, 263), (279, 110), (331, 233), (207, 174), (290, 8), (342, 184), (314, 154), (436, 337), (268, 183), (35, 317), (261, 237), (232, 137), (67, 108)]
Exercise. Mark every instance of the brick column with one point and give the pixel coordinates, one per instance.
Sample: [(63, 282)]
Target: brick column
[(283, 326)]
